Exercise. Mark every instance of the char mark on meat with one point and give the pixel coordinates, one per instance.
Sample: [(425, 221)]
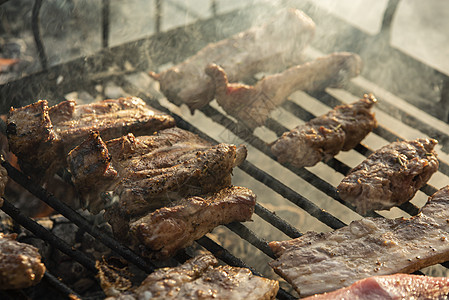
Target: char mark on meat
[(201, 278), (324, 137), (20, 264), (169, 229), (323, 262), (268, 48), (253, 104), (390, 176), (41, 136), (399, 286)]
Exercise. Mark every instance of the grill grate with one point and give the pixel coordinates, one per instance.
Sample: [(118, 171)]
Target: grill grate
[(94, 70)]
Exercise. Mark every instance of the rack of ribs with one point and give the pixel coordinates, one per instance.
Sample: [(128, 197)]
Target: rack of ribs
[(390, 176), (42, 136), (253, 104), (324, 137), (20, 264), (269, 48), (199, 278), (323, 262), (399, 286)]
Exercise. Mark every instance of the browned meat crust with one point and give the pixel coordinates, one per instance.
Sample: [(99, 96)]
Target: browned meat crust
[(252, 104), (20, 264), (3, 180), (169, 229), (390, 176), (323, 137), (41, 136), (147, 172), (322, 262), (269, 47), (399, 286), (201, 278)]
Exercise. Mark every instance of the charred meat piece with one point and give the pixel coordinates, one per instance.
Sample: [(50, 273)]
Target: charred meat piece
[(390, 176), (148, 172), (20, 264), (41, 136), (3, 180), (391, 287), (269, 47), (252, 104), (201, 278), (323, 262), (323, 137), (169, 229)]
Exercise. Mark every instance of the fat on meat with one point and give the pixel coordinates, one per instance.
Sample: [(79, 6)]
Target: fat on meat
[(390, 287), (390, 176), (323, 262), (253, 104), (268, 47), (201, 278), (42, 136), (325, 136)]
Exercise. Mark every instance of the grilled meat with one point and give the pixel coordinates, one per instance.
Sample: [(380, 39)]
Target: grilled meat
[(323, 262), (263, 48), (20, 264), (390, 176), (148, 172), (252, 104), (391, 287), (169, 229), (3, 180), (323, 137), (201, 278), (41, 136)]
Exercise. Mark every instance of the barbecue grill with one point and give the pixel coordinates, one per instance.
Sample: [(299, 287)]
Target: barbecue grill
[(291, 201)]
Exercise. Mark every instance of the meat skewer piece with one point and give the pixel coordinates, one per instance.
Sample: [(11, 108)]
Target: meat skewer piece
[(253, 104), (20, 264), (323, 262), (269, 47), (169, 229), (323, 137), (144, 173), (390, 176), (201, 278), (41, 136), (391, 287)]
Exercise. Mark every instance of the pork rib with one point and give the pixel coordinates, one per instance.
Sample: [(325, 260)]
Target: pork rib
[(169, 229), (20, 264), (201, 278), (252, 104), (323, 262), (390, 176), (269, 47), (323, 137), (391, 287), (41, 136)]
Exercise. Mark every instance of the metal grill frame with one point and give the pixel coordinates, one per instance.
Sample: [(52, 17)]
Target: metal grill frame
[(93, 70)]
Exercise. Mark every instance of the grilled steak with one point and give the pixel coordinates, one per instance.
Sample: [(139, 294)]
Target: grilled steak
[(323, 262), (263, 48), (201, 278), (323, 137), (169, 229), (391, 287), (20, 264), (252, 104), (390, 176), (41, 136), (148, 172)]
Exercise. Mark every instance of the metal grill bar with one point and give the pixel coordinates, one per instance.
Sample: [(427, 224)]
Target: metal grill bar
[(61, 287)]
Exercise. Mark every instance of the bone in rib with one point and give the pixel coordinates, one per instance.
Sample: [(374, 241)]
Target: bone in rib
[(41, 136), (253, 104), (269, 47)]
